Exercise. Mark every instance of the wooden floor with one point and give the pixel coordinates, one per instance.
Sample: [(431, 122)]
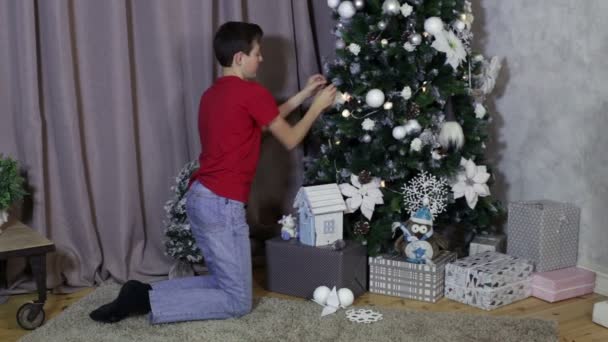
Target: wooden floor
[(573, 315)]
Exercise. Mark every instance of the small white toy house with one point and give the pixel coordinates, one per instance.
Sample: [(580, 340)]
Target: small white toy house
[(320, 214)]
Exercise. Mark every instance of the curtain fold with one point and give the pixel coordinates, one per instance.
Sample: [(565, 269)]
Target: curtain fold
[(99, 104)]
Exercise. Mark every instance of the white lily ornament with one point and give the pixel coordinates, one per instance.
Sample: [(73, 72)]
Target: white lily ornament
[(363, 196), (471, 182)]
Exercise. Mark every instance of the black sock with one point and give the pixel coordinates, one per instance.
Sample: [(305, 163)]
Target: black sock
[(133, 298)]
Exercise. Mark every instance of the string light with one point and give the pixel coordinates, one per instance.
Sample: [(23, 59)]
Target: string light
[(383, 184), (388, 105), (346, 113)]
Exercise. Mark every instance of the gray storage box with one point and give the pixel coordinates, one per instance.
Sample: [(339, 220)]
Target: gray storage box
[(488, 280), (296, 269), (544, 232), (393, 276)]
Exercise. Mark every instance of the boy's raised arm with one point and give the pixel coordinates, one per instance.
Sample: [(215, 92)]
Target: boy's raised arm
[(291, 136), (315, 82)]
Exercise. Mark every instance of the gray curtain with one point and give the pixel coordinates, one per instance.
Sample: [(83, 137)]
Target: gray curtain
[(98, 103)]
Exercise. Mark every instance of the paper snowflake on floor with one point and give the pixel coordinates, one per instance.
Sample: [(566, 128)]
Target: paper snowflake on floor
[(426, 188), (363, 316)]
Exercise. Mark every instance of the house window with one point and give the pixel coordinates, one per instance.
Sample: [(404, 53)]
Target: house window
[(328, 227)]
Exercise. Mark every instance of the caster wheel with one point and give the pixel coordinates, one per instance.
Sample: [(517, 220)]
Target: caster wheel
[(30, 316)]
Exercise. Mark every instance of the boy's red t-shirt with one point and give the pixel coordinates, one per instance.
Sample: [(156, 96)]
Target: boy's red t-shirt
[(231, 115)]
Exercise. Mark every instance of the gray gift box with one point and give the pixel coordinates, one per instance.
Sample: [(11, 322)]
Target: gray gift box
[(296, 269), (488, 280), (393, 276), (484, 243), (544, 232)]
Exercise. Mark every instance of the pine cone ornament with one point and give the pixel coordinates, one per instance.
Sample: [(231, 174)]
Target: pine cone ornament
[(365, 177), (361, 228), (414, 110)]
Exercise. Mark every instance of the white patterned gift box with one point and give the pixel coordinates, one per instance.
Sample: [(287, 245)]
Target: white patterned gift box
[(488, 280), (544, 232), (393, 276)]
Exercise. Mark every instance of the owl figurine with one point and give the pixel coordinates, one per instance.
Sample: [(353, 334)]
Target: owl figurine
[(418, 242)]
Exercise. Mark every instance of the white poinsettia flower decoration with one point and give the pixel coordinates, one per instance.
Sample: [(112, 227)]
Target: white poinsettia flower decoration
[(406, 93), (480, 111), (363, 196), (406, 10), (448, 43), (368, 124), (471, 182), (354, 48)]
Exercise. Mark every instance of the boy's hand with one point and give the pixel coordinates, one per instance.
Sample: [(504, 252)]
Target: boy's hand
[(325, 98), (314, 83)]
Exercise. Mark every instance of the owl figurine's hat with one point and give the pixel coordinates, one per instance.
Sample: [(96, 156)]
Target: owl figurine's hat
[(423, 214)]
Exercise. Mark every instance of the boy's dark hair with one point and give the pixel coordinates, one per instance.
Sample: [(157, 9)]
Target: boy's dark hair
[(233, 37)]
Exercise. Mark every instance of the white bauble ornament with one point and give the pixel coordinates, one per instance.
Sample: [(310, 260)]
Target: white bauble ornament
[(412, 126), (374, 98), (346, 297), (391, 7), (346, 10), (415, 39), (399, 132), (333, 3), (459, 25), (320, 295), (359, 4), (433, 25), (381, 25), (367, 138)]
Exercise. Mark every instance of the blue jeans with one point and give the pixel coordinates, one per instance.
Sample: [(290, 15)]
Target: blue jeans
[(221, 232)]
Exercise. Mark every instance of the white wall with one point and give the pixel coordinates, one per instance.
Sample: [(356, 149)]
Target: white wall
[(552, 109)]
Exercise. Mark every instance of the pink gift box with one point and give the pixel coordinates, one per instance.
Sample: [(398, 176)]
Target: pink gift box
[(562, 284)]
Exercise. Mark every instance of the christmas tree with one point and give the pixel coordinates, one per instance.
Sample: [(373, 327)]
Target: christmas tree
[(411, 100)]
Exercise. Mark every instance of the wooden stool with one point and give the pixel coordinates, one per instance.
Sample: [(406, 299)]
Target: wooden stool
[(19, 240)]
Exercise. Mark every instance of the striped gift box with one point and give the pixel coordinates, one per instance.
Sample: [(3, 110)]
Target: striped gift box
[(393, 276)]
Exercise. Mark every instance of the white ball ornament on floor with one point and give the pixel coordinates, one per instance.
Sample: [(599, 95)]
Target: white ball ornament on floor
[(346, 297), (399, 132), (320, 295), (333, 3), (433, 25), (374, 98), (346, 10)]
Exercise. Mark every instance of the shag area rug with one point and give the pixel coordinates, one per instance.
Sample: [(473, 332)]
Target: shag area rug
[(289, 320)]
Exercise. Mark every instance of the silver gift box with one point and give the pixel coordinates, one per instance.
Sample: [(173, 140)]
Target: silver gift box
[(544, 232)]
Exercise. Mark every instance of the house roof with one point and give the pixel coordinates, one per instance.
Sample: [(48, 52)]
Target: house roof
[(321, 199)]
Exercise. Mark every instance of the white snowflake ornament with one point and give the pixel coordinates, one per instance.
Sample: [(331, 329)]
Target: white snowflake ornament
[(363, 196), (363, 316), (426, 190), (471, 182), (368, 124), (354, 48)]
